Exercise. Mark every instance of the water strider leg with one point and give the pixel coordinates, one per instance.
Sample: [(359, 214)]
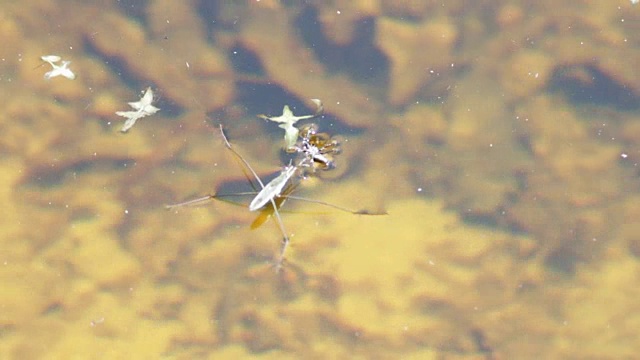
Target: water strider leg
[(285, 238)]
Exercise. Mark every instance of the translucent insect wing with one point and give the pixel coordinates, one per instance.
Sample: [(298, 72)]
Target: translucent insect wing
[(50, 58), (147, 98), (272, 189), (50, 74), (131, 120), (65, 71)]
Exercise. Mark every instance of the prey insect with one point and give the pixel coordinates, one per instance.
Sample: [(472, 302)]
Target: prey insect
[(317, 149)]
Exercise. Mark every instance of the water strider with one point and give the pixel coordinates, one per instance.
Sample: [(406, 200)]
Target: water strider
[(314, 148), (266, 195)]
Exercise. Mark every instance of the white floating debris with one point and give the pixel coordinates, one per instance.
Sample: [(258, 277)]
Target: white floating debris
[(635, 1), (287, 120), (58, 70), (143, 108)]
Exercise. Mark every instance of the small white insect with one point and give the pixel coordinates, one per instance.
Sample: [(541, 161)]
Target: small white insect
[(287, 120), (62, 69), (142, 108)]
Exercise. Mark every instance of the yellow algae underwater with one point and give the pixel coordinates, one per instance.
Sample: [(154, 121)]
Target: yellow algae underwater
[(387, 265), (84, 279)]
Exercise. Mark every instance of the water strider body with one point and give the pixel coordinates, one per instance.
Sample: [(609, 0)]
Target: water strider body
[(273, 189)]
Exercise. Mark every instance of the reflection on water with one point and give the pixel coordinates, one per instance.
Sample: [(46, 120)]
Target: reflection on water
[(501, 139)]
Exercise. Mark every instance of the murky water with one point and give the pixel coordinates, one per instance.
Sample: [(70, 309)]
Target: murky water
[(501, 138)]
